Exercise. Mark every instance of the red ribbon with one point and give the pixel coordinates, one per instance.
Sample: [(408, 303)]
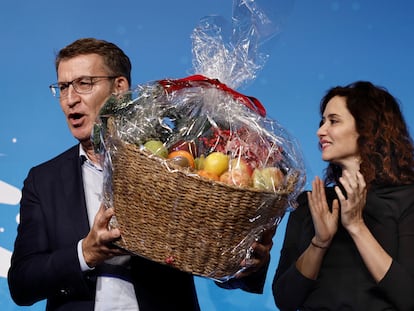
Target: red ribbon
[(196, 80)]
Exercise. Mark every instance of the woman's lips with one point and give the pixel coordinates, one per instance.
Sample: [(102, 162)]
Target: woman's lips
[(324, 144)]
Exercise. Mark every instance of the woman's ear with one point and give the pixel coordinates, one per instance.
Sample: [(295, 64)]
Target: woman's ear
[(121, 84)]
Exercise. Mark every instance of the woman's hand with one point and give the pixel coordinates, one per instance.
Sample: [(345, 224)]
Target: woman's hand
[(353, 205), (376, 259), (325, 222)]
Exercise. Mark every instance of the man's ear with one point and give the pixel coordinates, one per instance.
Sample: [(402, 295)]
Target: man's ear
[(121, 84)]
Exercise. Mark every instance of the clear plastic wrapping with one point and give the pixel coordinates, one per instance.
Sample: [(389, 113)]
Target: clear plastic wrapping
[(208, 130), (197, 164)]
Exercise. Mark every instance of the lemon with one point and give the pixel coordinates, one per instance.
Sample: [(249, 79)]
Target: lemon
[(216, 163)]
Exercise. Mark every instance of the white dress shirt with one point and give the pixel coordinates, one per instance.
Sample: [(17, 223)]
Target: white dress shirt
[(112, 293)]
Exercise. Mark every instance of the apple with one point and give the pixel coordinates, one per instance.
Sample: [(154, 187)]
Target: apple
[(157, 147), (216, 162), (188, 146), (240, 164), (268, 178), (236, 177)]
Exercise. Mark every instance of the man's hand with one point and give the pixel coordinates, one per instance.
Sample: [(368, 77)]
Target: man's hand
[(260, 253), (97, 245)]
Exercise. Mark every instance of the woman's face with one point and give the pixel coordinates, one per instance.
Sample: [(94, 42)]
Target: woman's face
[(337, 134)]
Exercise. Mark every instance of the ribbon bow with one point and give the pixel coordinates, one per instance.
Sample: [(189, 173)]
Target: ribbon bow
[(196, 80)]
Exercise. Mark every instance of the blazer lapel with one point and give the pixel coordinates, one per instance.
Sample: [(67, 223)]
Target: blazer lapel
[(71, 177)]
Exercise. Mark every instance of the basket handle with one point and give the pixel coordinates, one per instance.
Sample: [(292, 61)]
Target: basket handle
[(178, 84)]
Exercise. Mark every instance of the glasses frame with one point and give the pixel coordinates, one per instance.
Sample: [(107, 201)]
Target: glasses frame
[(55, 87)]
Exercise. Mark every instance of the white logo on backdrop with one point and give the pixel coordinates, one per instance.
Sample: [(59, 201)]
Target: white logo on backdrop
[(9, 195)]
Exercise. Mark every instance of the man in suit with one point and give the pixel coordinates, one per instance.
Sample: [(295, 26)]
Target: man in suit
[(63, 250)]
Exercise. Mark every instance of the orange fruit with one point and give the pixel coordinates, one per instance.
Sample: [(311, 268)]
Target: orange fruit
[(209, 175), (184, 154)]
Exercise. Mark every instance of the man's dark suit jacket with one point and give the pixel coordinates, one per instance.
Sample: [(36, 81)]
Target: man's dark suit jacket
[(45, 262)]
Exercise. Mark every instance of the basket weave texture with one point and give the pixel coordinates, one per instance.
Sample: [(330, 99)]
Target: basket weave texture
[(196, 225)]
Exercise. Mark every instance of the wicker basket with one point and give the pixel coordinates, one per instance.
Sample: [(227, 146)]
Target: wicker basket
[(194, 224)]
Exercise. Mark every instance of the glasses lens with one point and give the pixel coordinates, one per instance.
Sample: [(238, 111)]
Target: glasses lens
[(83, 85)]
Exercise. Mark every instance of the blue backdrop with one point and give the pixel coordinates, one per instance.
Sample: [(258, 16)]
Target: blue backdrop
[(322, 43)]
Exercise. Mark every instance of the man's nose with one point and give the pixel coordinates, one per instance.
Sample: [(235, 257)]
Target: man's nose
[(72, 96)]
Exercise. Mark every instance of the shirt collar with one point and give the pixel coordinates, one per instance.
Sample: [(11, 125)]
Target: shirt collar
[(84, 158)]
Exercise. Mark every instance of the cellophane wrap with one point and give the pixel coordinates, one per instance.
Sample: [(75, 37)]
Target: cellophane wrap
[(222, 171)]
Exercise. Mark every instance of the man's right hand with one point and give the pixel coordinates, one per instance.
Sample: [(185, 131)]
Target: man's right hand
[(98, 246)]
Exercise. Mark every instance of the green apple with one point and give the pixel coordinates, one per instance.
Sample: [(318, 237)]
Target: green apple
[(268, 178), (157, 147)]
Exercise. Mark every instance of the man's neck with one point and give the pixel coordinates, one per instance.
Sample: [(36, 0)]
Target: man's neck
[(90, 152)]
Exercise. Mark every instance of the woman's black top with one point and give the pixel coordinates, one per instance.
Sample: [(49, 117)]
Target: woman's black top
[(344, 282)]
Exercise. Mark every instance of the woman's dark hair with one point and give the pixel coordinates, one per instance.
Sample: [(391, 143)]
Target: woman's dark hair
[(116, 61), (385, 146)]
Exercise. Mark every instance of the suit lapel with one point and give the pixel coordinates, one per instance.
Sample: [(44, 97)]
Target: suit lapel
[(71, 177)]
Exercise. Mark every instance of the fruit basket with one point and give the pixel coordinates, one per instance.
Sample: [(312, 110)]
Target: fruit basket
[(170, 212), (194, 224), (195, 170)]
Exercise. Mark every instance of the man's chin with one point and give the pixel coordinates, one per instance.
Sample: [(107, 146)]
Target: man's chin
[(84, 137)]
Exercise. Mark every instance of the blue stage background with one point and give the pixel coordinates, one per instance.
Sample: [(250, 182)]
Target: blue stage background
[(322, 43)]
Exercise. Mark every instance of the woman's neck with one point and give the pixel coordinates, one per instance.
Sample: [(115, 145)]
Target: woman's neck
[(353, 165)]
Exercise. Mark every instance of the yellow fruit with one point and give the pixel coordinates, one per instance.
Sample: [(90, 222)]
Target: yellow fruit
[(199, 162), (216, 163)]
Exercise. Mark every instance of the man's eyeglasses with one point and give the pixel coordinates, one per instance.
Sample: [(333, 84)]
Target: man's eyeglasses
[(81, 85)]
